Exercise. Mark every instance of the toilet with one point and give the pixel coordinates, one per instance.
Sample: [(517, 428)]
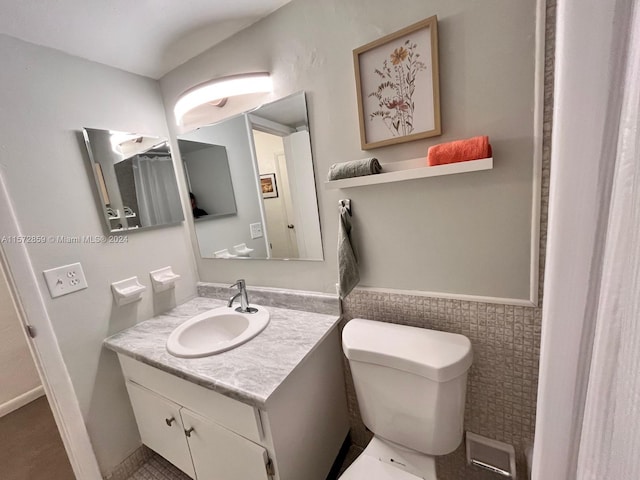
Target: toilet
[(410, 384)]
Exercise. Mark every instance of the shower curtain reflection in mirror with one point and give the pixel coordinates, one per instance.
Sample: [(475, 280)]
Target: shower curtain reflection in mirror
[(156, 189), (135, 179)]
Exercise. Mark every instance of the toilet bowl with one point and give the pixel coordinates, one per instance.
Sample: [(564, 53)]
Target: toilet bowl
[(410, 384)]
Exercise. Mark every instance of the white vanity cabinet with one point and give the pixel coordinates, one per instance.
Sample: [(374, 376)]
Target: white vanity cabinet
[(296, 433), (197, 446)]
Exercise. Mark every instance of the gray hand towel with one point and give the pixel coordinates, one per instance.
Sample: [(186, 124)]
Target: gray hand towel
[(356, 168), (347, 262)]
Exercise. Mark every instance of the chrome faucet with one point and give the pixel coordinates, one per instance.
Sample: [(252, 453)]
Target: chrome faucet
[(244, 298)]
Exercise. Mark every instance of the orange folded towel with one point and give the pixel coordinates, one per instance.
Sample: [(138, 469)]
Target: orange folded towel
[(459, 151)]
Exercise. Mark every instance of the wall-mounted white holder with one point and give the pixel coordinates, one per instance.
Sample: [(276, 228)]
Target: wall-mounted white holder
[(242, 250), (163, 279), (224, 254), (127, 291)]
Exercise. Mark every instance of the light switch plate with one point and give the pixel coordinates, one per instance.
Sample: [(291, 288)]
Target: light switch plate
[(65, 279), (256, 230)]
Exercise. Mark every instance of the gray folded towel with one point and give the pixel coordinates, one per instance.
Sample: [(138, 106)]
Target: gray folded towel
[(356, 168), (348, 275)]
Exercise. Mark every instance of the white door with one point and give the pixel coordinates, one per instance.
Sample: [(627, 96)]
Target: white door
[(287, 205), (161, 427), (221, 454), (297, 148)]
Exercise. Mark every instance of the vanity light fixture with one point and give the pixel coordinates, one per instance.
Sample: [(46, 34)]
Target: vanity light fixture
[(216, 92), (127, 145), (118, 139)]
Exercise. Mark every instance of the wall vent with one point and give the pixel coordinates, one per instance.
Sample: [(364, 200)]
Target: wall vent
[(492, 455)]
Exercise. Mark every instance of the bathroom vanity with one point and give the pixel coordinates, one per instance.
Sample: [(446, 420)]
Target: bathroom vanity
[(273, 408)]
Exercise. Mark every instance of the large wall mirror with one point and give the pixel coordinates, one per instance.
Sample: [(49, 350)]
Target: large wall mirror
[(252, 184), (135, 178)]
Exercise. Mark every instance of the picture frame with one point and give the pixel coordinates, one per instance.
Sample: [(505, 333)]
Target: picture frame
[(268, 185), (398, 87)]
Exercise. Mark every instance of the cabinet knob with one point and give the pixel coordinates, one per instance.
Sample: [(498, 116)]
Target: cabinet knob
[(169, 421), (188, 432)]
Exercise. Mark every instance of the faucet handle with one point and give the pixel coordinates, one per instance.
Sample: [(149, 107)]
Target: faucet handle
[(240, 284)]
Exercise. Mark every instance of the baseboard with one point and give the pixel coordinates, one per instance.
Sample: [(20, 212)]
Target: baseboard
[(21, 400)]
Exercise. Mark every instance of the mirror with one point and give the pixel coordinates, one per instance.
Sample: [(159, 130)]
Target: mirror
[(135, 178), (253, 186), (206, 168)]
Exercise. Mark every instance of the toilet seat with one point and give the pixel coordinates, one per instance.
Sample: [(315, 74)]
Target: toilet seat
[(367, 467)]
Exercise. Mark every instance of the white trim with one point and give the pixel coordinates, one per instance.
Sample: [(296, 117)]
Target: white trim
[(538, 138), (269, 126), (451, 296), (21, 400), (14, 259)]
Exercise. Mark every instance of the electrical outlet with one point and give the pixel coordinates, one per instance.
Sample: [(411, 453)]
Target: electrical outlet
[(64, 280), (256, 230)]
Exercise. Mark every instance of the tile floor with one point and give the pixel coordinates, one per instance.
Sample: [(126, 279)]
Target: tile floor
[(157, 468)]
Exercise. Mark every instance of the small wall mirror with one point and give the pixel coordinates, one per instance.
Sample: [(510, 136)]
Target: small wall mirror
[(135, 178), (253, 186), (208, 177)]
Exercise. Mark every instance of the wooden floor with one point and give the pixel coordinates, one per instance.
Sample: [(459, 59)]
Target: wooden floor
[(30, 445)]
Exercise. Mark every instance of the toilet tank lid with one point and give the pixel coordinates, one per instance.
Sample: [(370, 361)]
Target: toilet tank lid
[(438, 356)]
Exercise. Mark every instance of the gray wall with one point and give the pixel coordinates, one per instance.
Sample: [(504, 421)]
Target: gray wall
[(46, 98), (463, 234)]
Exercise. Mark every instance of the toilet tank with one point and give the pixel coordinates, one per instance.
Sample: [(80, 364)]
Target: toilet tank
[(410, 382)]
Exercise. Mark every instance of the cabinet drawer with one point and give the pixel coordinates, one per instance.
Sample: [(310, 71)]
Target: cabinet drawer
[(232, 414)]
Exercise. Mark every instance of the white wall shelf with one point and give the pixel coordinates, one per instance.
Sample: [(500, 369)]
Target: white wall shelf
[(410, 169)]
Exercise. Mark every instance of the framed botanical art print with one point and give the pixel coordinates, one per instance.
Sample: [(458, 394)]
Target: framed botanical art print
[(398, 86)]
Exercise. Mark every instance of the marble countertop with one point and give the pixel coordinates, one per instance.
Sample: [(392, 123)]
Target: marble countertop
[(249, 373)]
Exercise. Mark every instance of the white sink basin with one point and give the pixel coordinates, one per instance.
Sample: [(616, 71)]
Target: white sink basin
[(216, 331)]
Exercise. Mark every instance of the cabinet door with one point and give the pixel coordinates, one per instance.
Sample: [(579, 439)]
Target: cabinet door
[(220, 454), (160, 426)]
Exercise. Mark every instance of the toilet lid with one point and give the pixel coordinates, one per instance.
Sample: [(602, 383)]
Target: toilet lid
[(367, 467), (438, 356)]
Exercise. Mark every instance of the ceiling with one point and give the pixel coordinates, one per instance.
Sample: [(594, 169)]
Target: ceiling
[(147, 37)]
